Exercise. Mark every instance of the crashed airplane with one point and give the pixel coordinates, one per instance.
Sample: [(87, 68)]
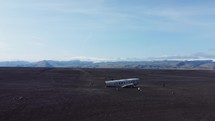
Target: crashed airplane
[(123, 83)]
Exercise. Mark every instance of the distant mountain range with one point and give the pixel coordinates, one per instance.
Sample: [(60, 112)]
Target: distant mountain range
[(195, 64)]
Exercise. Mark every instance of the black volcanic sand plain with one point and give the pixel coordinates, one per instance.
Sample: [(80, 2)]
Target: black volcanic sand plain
[(60, 94)]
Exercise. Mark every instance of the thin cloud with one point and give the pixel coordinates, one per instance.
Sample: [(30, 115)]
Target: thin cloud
[(196, 56), (212, 50), (4, 47), (155, 18)]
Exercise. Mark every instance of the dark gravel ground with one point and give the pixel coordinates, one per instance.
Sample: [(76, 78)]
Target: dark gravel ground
[(58, 94)]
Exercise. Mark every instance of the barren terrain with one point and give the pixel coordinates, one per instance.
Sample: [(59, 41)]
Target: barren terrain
[(63, 94)]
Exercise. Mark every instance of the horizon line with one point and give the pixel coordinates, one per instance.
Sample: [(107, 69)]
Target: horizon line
[(108, 60)]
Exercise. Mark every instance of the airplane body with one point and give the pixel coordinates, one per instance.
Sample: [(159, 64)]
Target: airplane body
[(132, 82)]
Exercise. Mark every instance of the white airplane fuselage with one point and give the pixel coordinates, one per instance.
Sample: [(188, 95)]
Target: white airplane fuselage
[(132, 82)]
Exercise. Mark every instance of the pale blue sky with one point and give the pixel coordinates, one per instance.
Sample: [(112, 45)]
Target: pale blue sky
[(66, 29)]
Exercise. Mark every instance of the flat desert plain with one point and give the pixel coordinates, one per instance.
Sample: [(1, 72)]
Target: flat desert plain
[(74, 94)]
